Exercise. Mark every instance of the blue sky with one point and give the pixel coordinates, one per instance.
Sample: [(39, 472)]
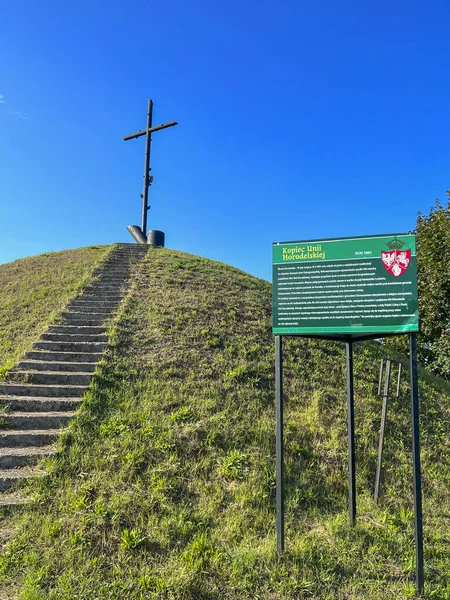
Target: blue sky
[(297, 120)]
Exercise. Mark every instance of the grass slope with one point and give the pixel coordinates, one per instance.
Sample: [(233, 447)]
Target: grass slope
[(165, 484), (33, 291)]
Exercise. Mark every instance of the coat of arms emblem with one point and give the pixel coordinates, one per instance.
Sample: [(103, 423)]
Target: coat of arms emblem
[(395, 260)]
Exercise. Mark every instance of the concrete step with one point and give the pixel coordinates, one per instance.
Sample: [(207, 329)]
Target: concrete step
[(124, 246), (75, 367), (49, 355), (106, 296), (107, 287), (88, 347), (37, 420), (27, 438), (104, 290), (49, 377), (125, 259), (12, 500), (112, 280), (117, 265), (100, 303), (87, 308), (115, 282), (74, 337), (113, 276), (76, 329), (96, 302), (105, 293), (115, 272), (125, 255), (76, 314), (91, 308), (12, 458), (38, 404), (116, 268), (119, 258), (135, 249), (86, 319), (99, 300), (9, 478), (122, 252), (47, 391)]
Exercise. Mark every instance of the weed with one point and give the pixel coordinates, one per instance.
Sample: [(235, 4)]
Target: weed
[(234, 465), (183, 414), (132, 539)]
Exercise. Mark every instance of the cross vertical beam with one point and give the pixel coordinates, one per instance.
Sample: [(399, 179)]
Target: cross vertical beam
[(148, 143)]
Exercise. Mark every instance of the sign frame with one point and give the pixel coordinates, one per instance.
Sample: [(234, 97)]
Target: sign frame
[(349, 333), (350, 338)]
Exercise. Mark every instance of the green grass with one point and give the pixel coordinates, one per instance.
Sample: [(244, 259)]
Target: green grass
[(34, 291), (165, 482)]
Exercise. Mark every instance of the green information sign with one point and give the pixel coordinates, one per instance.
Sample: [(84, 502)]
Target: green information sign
[(356, 287)]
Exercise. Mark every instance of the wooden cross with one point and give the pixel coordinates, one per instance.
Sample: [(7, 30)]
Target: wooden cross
[(148, 141)]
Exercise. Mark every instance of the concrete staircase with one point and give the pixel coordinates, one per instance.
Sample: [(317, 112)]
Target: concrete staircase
[(42, 393)]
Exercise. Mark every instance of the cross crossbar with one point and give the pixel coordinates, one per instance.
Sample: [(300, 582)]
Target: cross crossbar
[(132, 136)]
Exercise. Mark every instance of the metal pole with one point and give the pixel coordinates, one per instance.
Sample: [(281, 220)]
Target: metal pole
[(380, 378), (382, 428), (416, 460), (148, 142), (351, 434), (279, 441), (398, 379)]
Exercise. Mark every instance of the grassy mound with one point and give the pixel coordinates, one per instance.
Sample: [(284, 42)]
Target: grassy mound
[(33, 291), (165, 484)]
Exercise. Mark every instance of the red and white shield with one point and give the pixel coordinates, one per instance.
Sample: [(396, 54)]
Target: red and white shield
[(396, 261)]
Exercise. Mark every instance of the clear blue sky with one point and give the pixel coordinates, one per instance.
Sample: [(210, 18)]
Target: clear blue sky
[(297, 120)]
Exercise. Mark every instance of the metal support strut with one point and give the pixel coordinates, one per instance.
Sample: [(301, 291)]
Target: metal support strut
[(417, 478), (382, 427), (279, 441), (351, 435), (351, 444)]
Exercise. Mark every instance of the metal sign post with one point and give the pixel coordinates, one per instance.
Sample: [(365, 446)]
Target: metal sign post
[(279, 441), (347, 290), (148, 141), (351, 436), (417, 477)]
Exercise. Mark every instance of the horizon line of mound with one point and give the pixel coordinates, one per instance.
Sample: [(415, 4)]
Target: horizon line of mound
[(43, 391)]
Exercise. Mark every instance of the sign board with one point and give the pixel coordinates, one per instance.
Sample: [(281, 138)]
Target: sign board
[(350, 287)]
